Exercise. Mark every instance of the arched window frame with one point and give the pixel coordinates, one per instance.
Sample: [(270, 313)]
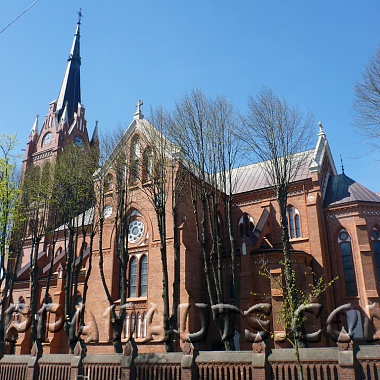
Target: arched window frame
[(246, 225), (349, 275), (138, 329), (143, 276), (148, 164), (58, 252), (133, 325), (294, 222), (127, 326), (138, 276), (133, 276), (143, 327), (108, 183), (375, 240), (135, 159)]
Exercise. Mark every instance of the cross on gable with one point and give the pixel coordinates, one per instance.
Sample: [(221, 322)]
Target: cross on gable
[(138, 106)]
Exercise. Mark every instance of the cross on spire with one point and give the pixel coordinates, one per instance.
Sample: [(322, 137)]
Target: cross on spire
[(341, 162), (80, 15)]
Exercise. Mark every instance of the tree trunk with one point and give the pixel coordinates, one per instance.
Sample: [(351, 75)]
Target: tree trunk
[(290, 280)]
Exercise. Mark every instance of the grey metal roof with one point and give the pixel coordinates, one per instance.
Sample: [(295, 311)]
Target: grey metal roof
[(254, 177), (342, 189), (88, 216)]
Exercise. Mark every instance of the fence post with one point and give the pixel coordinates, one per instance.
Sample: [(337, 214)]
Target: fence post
[(260, 361), (33, 367), (346, 359), (188, 366), (128, 369), (76, 371)]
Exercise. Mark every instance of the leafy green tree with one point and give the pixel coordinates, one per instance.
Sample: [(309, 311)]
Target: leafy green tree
[(9, 218), (73, 201), (35, 202)]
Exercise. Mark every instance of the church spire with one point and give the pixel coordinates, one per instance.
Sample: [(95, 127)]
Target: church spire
[(70, 89)]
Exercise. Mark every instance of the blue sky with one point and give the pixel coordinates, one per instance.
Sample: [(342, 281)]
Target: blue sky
[(308, 52)]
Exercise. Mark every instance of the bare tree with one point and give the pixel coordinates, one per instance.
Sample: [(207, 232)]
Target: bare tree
[(203, 129), (162, 182), (366, 104), (112, 190), (278, 135)]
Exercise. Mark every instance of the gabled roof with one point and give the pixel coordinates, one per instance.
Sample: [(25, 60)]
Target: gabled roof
[(254, 177), (342, 189)]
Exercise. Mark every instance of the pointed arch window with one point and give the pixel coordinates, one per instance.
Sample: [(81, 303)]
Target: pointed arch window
[(135, 159), (143, 276), (246, 225), (294, 222), (126, 326), (133, 277), (375, 237), (143, 326), (148, 164), (108, 183), (133, 325), (344, 242), (138, 276), (138, 329)]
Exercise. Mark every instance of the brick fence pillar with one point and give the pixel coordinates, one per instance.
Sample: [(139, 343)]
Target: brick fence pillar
[(35, 354), (128, 370), (260, 361), (188, 366), (346, 358), (76, 371)]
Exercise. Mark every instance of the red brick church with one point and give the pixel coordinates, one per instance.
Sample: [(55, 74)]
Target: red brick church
[(334, 225)]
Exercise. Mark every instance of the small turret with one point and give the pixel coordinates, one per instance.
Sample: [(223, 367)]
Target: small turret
[(95, 135), (34, 130)]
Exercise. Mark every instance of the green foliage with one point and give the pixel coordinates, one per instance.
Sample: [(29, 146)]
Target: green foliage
[(8, 191), (290, 316), (287, 317), (73, 189)]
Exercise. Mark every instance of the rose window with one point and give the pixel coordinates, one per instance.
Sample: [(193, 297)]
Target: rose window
[(135, 231)]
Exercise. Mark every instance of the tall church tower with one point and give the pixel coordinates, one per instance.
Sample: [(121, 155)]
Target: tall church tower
[(65, 122)]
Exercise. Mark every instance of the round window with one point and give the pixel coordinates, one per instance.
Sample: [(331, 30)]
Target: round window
[(135, 231), (375, 234), (343, 235)]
